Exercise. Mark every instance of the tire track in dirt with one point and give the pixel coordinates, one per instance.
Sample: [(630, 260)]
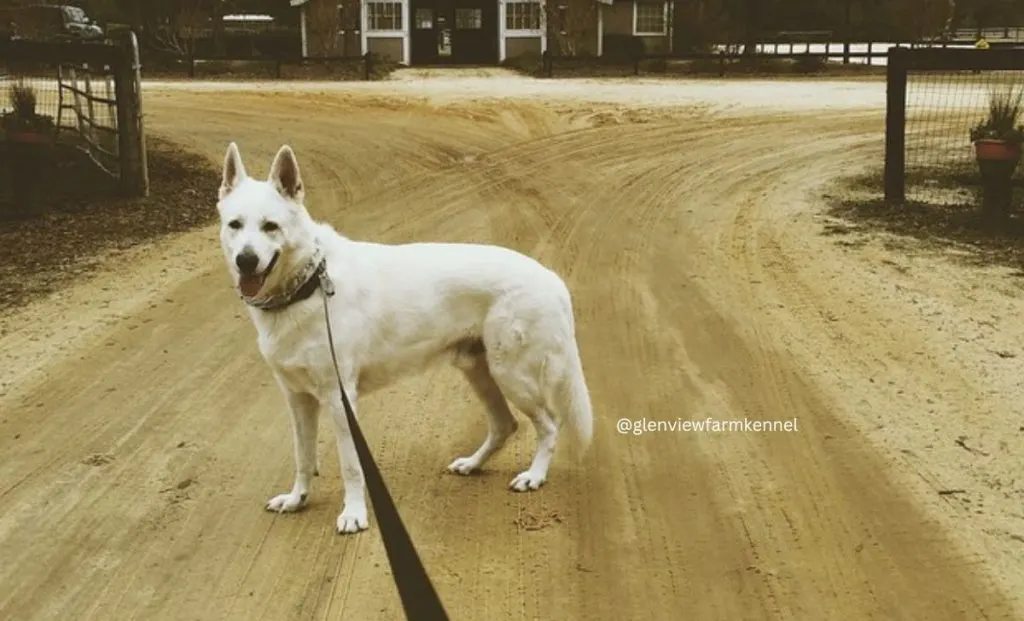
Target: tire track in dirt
[(642, 219), (753, 197), (912, 364), (642, 196)]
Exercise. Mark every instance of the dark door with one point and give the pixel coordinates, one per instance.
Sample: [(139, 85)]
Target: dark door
[(454, 32), (475, 38), (428, 26)]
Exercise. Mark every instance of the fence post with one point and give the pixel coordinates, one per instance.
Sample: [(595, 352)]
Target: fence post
[(367, 66), (847, 30), (896, 124), (278, 67), (721, 63), (130, 134)]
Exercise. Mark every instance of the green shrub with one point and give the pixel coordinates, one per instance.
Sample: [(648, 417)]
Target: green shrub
[(381, 67), (528, 63)]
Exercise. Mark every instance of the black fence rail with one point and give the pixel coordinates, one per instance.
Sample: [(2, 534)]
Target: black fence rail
[(722, 60), (934, 98), (275, 67)]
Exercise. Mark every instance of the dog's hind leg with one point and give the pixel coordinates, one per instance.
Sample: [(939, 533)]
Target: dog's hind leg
[(547, 435), (501, 424), (304, 410)]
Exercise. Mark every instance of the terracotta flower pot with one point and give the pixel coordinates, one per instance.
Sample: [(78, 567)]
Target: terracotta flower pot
[(992, 149), (997, 161), (27, 136)]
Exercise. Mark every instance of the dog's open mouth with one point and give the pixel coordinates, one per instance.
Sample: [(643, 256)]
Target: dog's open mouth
[(251, 284)]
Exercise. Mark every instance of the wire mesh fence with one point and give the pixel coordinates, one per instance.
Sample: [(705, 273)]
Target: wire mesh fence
[(942, 107), (45, 88)]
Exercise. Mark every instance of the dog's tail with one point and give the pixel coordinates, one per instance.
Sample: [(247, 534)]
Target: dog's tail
[(573, 402)]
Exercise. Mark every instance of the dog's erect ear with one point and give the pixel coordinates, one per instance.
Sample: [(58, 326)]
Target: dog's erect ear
[(285, 176), (234, 171)]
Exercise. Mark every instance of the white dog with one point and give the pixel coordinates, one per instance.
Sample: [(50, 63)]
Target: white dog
[(505, 320)]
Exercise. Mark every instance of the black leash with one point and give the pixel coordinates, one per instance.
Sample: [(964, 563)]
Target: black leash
[(419, 599)]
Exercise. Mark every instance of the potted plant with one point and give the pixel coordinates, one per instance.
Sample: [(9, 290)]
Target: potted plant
[(30, 137), (997, 146), (1000, 135), (22, 124)]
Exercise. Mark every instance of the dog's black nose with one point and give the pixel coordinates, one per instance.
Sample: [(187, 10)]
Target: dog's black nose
[(247, 261)]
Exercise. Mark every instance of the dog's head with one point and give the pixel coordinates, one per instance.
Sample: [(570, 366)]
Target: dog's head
[(265, 229)]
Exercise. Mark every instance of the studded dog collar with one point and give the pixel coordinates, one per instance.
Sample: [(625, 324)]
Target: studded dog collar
[(301, 286)]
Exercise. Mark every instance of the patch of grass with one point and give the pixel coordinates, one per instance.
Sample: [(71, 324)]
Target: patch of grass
[(85, 218), (958, 227)]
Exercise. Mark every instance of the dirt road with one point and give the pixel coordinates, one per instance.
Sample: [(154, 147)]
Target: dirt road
[(141, 433)]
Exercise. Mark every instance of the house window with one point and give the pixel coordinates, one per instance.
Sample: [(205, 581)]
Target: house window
[(469, 19), (649, 18), (383, 16), (424, 19), (522, 15)]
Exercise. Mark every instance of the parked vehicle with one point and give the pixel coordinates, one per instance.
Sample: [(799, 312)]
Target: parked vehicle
[(48, 22)]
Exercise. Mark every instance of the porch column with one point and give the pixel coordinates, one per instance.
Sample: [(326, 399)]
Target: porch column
[(406, 34), (302, 28), (363, 45), (501, 31)]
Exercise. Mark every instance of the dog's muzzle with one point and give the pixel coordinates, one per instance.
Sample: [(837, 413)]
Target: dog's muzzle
[(250, 282)]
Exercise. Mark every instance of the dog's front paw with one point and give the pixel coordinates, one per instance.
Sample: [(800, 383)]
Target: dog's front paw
[(353, 519), (286, 503), (463, 465), (527, 481)]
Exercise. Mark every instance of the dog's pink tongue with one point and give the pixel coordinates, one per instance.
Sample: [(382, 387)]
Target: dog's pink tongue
[(250, 285)]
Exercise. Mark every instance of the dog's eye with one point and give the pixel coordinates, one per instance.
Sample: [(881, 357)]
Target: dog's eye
[(235, 224), (270, 227)]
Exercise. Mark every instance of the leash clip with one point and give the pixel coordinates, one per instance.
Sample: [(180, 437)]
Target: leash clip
[(325, 280)]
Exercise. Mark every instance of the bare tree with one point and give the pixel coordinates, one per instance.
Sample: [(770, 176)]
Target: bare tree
[(700, 24), (323, 25), (947, 29), (574, 23), (218, 9), (746, 18), (177, 28), (929, 18)]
